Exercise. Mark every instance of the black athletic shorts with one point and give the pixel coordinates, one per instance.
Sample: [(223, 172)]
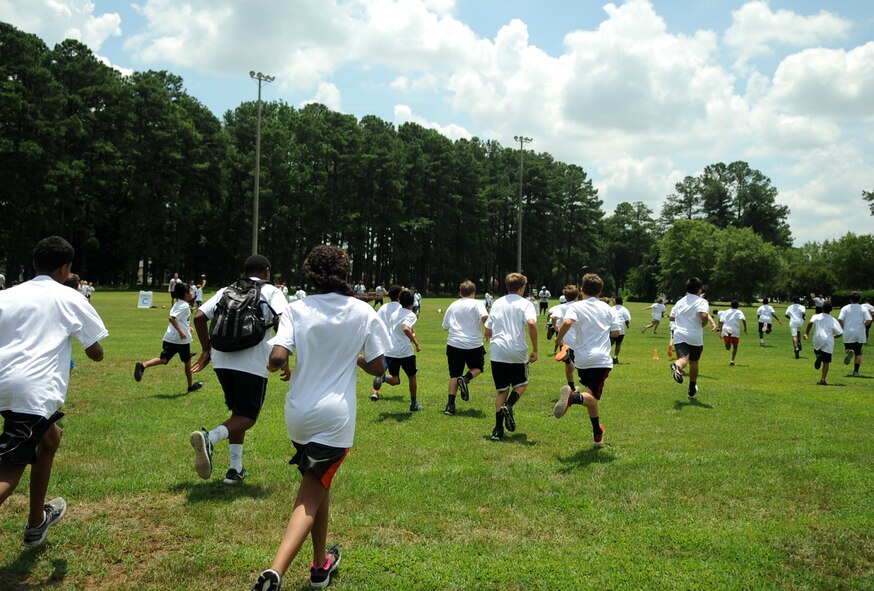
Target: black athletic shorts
[(395, 364), (22, 434), (618, 339), (854, 347), (593, 379), (244, 392), (171, 349), (825, 357), (509, 375), (764, 327), (693, 352), (322, 460), (458, 358)]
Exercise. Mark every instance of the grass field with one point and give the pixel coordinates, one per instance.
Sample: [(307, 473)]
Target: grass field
[(765, 482)]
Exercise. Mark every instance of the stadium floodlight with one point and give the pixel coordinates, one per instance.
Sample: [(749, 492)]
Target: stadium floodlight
[(261, 78)]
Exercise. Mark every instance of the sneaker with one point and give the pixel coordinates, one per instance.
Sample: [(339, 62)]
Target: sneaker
[(821, 383), (234, 477), (693, 391), (562, 353), (54, 511), (509, 419), (202, 453), (139, 369), (497, 434), (320, 577), (856, 374), (615, 360), (449, 410), (268, 580), (463, 390), (195, 387), (731, 363), (374, 396), (655, 332), (818, 363), (565, 399), (599, 439), (377, 381), (796, 353), (849, 356), (677, 373), (416, 407)]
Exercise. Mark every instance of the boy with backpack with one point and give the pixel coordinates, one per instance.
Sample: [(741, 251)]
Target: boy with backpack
[(236, 344)]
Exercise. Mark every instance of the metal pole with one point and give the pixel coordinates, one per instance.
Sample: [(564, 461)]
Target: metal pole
[(522, 141), (260, 78)]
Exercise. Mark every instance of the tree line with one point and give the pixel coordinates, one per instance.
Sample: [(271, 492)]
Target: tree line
[(133, 169)]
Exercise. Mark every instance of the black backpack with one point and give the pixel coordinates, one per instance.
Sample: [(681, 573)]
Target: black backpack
[(239, 321)]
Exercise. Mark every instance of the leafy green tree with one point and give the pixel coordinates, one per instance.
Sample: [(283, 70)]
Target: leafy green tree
[(850, 259), (806, 271), (869, 197), (630, 234), (688, 249), (746, 266)]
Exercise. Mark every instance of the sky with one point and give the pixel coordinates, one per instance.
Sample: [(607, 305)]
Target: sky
[(639, 93)]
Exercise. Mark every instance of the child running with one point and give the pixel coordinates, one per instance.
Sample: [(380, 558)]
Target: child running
[(511, 315), (766, 315), (624, 317), (328, 330), (795, 313), (827, 328), (400, 354), (464, 345), (177, 338), (730, 323), (658, 309), (691, 316), (594, 323)]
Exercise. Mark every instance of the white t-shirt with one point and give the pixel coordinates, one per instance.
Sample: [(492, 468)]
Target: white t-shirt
[(570, 338), (254, 359), (854, 317), (544, 295), (300, 294), (593, 320), (508, 322), (657, 309), (825, 329), (198, 293), (796, 315), (401, 346), (556, 312), (688, 324), (765, 313), (327, 331), (731, 322), (463, 320), (181, 311), (37, 319), (623, 315), (386, 311)]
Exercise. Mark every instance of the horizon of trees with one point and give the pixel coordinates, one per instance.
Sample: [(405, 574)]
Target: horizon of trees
[(133, 169)]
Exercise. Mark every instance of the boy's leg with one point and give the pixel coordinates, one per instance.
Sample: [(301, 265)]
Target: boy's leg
[(734, 346), (310, 507), (825, 365), (188, 376), (393, 380), (10, 476), (154, 362), (41, 473), (693, 371)]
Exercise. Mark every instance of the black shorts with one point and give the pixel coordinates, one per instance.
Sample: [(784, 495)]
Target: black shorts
[(593, 379), (322, 460), (244, 392), (764, 327), (395, 364), (171, 349), (854, 347), (458, 358), (22, 434), (618, 339), (825, 357), (509, 375), (693, 352)]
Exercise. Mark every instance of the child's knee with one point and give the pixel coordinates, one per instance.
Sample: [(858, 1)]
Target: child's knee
[(51, 440)]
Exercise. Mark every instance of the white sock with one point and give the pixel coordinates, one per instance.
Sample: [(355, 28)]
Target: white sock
[(236, 450), (220, 433)]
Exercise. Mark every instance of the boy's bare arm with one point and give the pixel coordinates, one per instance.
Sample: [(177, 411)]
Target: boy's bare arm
[(411, 334), (178, 328), (95, 352), (532, 333), (374, 367)]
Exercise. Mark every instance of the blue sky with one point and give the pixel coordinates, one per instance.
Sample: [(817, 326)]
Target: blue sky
[(640, 93)]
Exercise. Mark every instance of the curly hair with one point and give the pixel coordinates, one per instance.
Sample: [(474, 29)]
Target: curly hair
[(326, 267)]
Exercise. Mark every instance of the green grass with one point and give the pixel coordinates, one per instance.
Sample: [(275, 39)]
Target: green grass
[(764, 483)]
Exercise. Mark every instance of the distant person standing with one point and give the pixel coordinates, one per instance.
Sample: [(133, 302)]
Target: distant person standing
[(38, 320), (766, 315), (489, 299), (464, 344), (544, 296), (173, 281), (691, 315), (796, 314), (818, 302), (854, 319), (826, 329)]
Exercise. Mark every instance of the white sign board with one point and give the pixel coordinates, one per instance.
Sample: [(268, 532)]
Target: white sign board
[(145, 300)]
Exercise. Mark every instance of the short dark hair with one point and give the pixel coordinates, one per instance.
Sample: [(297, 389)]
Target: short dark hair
[(180, 289), (592, 284), (796, 300), (326, 267), (256, 263), (735, 304), (406, 299), (73, 281), (618, 299), (393, 292), (52, 253), (855, 297), (694, 285), (764, 301), (827, 306)]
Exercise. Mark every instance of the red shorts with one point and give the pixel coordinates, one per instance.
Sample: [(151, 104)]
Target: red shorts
[(730, 340)]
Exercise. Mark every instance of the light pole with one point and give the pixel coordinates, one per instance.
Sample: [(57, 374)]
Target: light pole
[(522, 141), (260, 78)]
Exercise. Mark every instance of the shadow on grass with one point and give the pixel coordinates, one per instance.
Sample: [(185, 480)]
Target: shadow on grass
[(585, 457), (398, 417), (14, 575), (832, 385), (216, 490), (859, 377), (689, 402), (470, 413), (513, 438), (386, 398)]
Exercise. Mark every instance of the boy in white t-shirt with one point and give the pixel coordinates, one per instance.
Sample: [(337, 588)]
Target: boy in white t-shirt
[(766, 315), (624, 317), (34, 373), (796, 313), (594, 324), (855, 319), (658, 310), (691, 314), (730, 322), (554, 320), (569, 293), (464, 343), (328, 330), (177, 338), (827, 328), (400, 354), (506, 325)]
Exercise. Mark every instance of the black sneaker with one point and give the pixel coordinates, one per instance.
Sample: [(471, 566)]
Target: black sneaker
[(509, 419), (320, 577), (377, 382), (449, 410), (202, 453), (462, 389), (497, 434), (139, 369), (796, 353), (54, 511), (234, 477), (268, 580), (416, 407), (374, 396), (692, 392), (195, 387)]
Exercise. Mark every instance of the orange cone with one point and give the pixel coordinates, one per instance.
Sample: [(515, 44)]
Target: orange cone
[(655, 354)]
